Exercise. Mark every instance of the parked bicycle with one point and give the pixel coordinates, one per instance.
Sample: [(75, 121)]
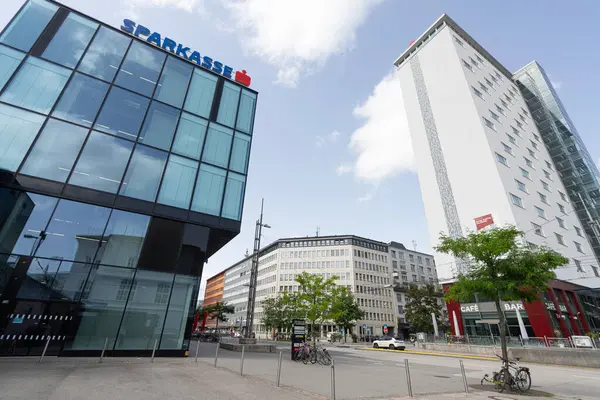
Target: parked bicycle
[(313, 354), (511, 375)]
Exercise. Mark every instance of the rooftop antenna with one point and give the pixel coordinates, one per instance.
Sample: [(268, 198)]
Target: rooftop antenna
[(318, 231), (414, 245)]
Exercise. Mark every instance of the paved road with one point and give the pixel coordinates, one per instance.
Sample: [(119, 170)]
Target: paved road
[(361, 373)]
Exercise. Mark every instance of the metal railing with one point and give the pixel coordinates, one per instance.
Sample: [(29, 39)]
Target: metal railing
[(515, 342)]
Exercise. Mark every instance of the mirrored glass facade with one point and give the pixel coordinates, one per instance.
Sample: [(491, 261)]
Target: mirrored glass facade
[(123, 167), (575, 166)]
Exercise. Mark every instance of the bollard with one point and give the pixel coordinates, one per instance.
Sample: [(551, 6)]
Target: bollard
[(332, 379), (279, 368), (45, 348), (242, 361), (464, 376), (154, 350), (408, 382), (103, 350), (217, 353), (197, 348)]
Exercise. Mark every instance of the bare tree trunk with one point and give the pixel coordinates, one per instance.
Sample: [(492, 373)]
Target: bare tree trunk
[(502, 327)]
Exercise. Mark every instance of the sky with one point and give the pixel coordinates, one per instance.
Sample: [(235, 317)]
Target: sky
[(331, 146)]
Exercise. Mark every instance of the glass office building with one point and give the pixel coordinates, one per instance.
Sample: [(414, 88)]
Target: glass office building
[(122, 169), (576, 167)]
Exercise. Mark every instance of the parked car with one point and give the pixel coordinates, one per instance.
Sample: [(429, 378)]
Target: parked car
[(389, 342)]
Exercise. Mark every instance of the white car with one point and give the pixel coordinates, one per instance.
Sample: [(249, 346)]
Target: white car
[(389, 342)]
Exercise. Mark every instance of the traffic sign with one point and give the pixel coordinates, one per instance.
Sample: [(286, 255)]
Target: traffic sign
[(364, 325)]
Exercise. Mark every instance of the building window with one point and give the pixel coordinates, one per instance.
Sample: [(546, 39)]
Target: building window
[(534, 145), (536, 137), (524, 173), (501, 159), (520, 125), (36, 86), (540, 212), (70, 41), (561, 222), (477, 93), (500, 110), (200, 93), (190, 136), (17, 131), (545, 185), (81, 100), (528, 162), (162, 293), (543, 198), (28, 24), (516, 200), (467, 65), (504, 104), (176, 187), (489, 123), (494, 116), (578, 265), (578, 247), (559, 239), (537, 229), (245, 117), (55, 151), (511, 139), (562, 196), (173, 82), (561, 208), (547, 174), (234, 193), (141, 69), (159, 125), (516, 131), (229, 103), (93, 171), (460, 43), (240, 153), (218, 145), (595, 269), (484, 88), (578, 231), (531, 153), (521, 186), (549, 165), (475, 63), (122, 113), (507, 148), (144, 172)]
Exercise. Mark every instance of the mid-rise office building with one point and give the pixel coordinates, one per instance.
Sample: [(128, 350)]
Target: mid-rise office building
[(480, 153), (213, 295), (123, 165), (371, 269)]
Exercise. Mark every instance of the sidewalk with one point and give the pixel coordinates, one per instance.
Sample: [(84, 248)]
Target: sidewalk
[(178, 379), (132, 379)]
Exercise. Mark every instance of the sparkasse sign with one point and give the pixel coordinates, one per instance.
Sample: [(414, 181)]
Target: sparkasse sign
[(180, 50)]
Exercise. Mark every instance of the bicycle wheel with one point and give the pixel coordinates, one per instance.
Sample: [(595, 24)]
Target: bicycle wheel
[(326, 357), (305, 357), (502, 380), (313, 356), (523, 380)]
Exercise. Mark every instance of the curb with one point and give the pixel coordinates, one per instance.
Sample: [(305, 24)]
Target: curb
[(427, 353)]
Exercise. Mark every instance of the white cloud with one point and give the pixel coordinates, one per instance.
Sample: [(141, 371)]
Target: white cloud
[(322, 141), (343, 169), (366, 197), (557, 84), (187, 5), (298, 35), (383, 144)]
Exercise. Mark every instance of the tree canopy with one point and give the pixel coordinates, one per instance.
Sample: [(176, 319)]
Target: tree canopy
[(218, 311), (423, 302), (344, 309), (500, 267)]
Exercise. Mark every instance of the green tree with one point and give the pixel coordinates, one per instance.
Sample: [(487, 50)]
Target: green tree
[(274, 313), (218, 311), (344, 309), (500, 267), (423, 301), (314, 298)]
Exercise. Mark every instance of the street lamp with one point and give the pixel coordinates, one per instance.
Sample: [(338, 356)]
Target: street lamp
[(254, 272)]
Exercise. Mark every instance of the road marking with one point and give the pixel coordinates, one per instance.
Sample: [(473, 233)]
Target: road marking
[(586, 377), (401, 365), (376, 363)]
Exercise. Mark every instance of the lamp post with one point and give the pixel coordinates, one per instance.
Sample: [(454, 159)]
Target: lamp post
[(254, 272)]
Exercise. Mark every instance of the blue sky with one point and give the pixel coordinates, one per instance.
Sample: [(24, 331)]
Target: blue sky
[(331, 147)]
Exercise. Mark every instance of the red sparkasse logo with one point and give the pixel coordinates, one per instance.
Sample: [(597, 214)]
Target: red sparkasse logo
[(483, 221)]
